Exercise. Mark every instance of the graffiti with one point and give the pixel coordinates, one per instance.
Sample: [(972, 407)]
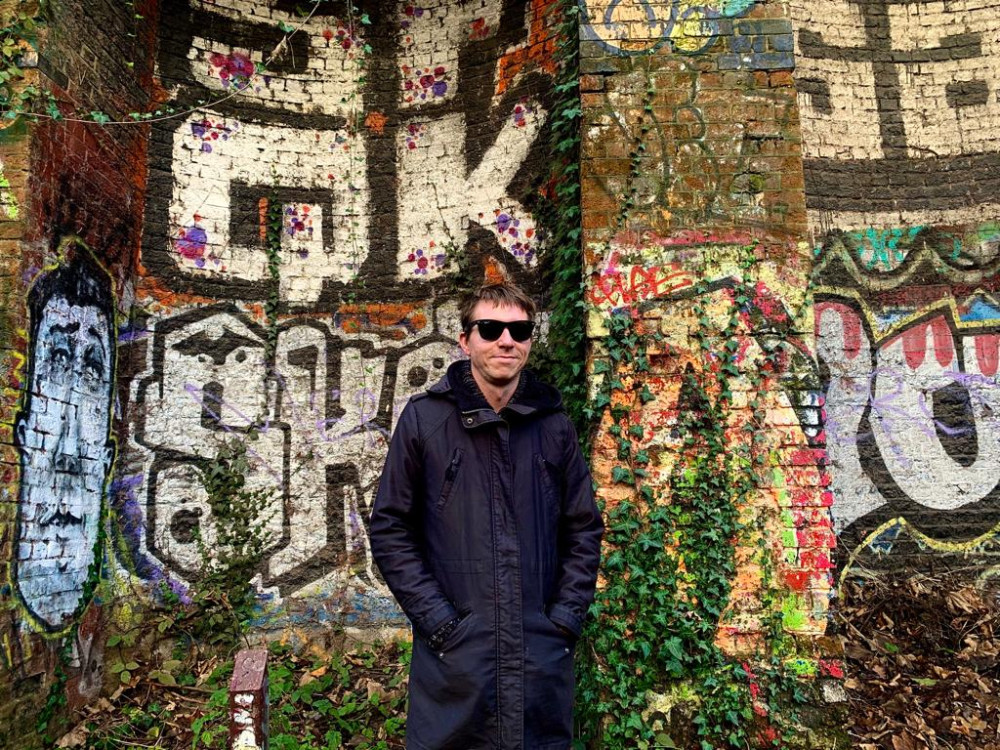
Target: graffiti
[(906, 324), (791, 506), (320, 416), (634, 27), (688, 169), (895, 97), (883, 259), (8, 203), (63, 435), (621, 285), (912, 420), (399, 144), (374, 129)]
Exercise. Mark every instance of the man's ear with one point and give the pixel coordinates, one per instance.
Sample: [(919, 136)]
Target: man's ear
[(463, 341), (110, 449)]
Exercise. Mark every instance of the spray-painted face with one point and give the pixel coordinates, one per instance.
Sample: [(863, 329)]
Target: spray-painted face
[(66, 455)]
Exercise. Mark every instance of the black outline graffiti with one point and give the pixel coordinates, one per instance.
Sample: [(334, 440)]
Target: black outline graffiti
[(377, 276), (961, 524), (896, 181), (344, 477)]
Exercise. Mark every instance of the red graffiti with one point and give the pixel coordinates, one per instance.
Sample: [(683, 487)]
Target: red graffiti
[(915, 343), (851, 324), (987, 353), (621, 288)]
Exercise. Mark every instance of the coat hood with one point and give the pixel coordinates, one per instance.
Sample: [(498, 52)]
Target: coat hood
[(531, 397)]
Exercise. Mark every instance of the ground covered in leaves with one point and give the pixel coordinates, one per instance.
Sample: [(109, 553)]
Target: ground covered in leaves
[(354, 699), (923, 664), (922, 661)]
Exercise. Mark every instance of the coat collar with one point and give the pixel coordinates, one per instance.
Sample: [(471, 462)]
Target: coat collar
[(531, 397)]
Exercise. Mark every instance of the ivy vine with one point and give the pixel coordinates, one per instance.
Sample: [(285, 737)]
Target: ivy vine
[(671, 543), (561, 358)]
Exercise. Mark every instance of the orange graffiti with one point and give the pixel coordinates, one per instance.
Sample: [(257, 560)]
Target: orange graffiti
[(375, 121), (539, 48), (394, 319)]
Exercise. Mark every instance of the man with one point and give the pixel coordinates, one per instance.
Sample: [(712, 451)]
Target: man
[(486, 531), (63, 434)]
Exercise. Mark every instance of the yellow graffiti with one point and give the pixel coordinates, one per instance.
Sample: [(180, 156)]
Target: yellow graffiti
[(883, 330), (935, 544), (635, 27)]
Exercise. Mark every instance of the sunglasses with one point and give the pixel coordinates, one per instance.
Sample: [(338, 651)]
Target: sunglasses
[(491, 330)]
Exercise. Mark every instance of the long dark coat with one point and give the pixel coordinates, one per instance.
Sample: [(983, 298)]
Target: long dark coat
[(490, 517)]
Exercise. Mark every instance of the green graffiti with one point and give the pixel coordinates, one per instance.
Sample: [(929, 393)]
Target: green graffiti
[(8, 203), (884, 249)]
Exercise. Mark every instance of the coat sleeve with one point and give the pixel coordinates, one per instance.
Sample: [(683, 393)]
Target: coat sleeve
[(395, 530), (581, 528)]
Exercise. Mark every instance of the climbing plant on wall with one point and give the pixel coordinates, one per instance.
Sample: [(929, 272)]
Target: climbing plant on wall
[(676, 525), (561, 358)]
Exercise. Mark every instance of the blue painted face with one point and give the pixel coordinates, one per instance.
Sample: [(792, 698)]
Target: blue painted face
[(66, 456)]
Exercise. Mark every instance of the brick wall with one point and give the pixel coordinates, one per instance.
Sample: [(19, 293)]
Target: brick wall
[(398, 149), (401, 145), (851, 146), (899, 109), (71, 220), (692, 158)]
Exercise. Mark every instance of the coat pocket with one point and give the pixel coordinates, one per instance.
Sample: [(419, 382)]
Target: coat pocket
[(550, 476), (449, 478)]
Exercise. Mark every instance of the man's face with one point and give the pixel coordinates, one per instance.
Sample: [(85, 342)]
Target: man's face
[(66, 455), (499, 362)]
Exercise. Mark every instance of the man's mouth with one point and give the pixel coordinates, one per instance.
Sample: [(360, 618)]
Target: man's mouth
[(62, 519)]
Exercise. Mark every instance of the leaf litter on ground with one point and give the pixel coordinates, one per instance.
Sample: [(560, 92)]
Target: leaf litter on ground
[(923, 662)]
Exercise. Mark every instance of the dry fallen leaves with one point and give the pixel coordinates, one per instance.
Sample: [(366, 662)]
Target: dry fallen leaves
[(923, 664)]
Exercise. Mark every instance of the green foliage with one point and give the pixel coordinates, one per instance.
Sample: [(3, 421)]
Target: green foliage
[(20, 24), (671, 551), (561, 359), (354, 698), (224, 598), (272, 247)]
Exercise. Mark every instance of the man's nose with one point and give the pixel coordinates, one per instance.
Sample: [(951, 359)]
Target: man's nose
[(68, 444), (505, 338)]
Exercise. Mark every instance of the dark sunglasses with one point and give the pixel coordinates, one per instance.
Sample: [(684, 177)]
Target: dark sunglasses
[(491, 330)]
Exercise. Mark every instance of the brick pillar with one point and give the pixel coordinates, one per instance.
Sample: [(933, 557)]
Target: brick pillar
[(248, 707)]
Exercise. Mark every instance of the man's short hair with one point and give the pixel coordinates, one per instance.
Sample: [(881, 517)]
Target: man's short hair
[(81, 281), (502, 293)]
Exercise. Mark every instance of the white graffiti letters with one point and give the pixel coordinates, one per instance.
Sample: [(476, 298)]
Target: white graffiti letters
[(933, 415), (320, 421)]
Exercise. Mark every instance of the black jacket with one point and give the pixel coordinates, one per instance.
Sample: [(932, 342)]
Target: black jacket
[(488, 517)]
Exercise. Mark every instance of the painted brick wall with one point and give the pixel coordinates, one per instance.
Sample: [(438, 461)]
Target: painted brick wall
[(900, 131), (703, 103), (402, 146), (400, 151), (67, 187)]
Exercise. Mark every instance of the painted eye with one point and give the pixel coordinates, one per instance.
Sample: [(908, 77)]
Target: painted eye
[(60, 358), (93, 364)]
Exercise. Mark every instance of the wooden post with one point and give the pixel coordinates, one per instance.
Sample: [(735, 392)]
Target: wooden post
[(248, 701)]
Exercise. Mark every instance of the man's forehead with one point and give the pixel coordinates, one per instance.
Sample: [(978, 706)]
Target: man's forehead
[(493, 311), (59, 312)]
